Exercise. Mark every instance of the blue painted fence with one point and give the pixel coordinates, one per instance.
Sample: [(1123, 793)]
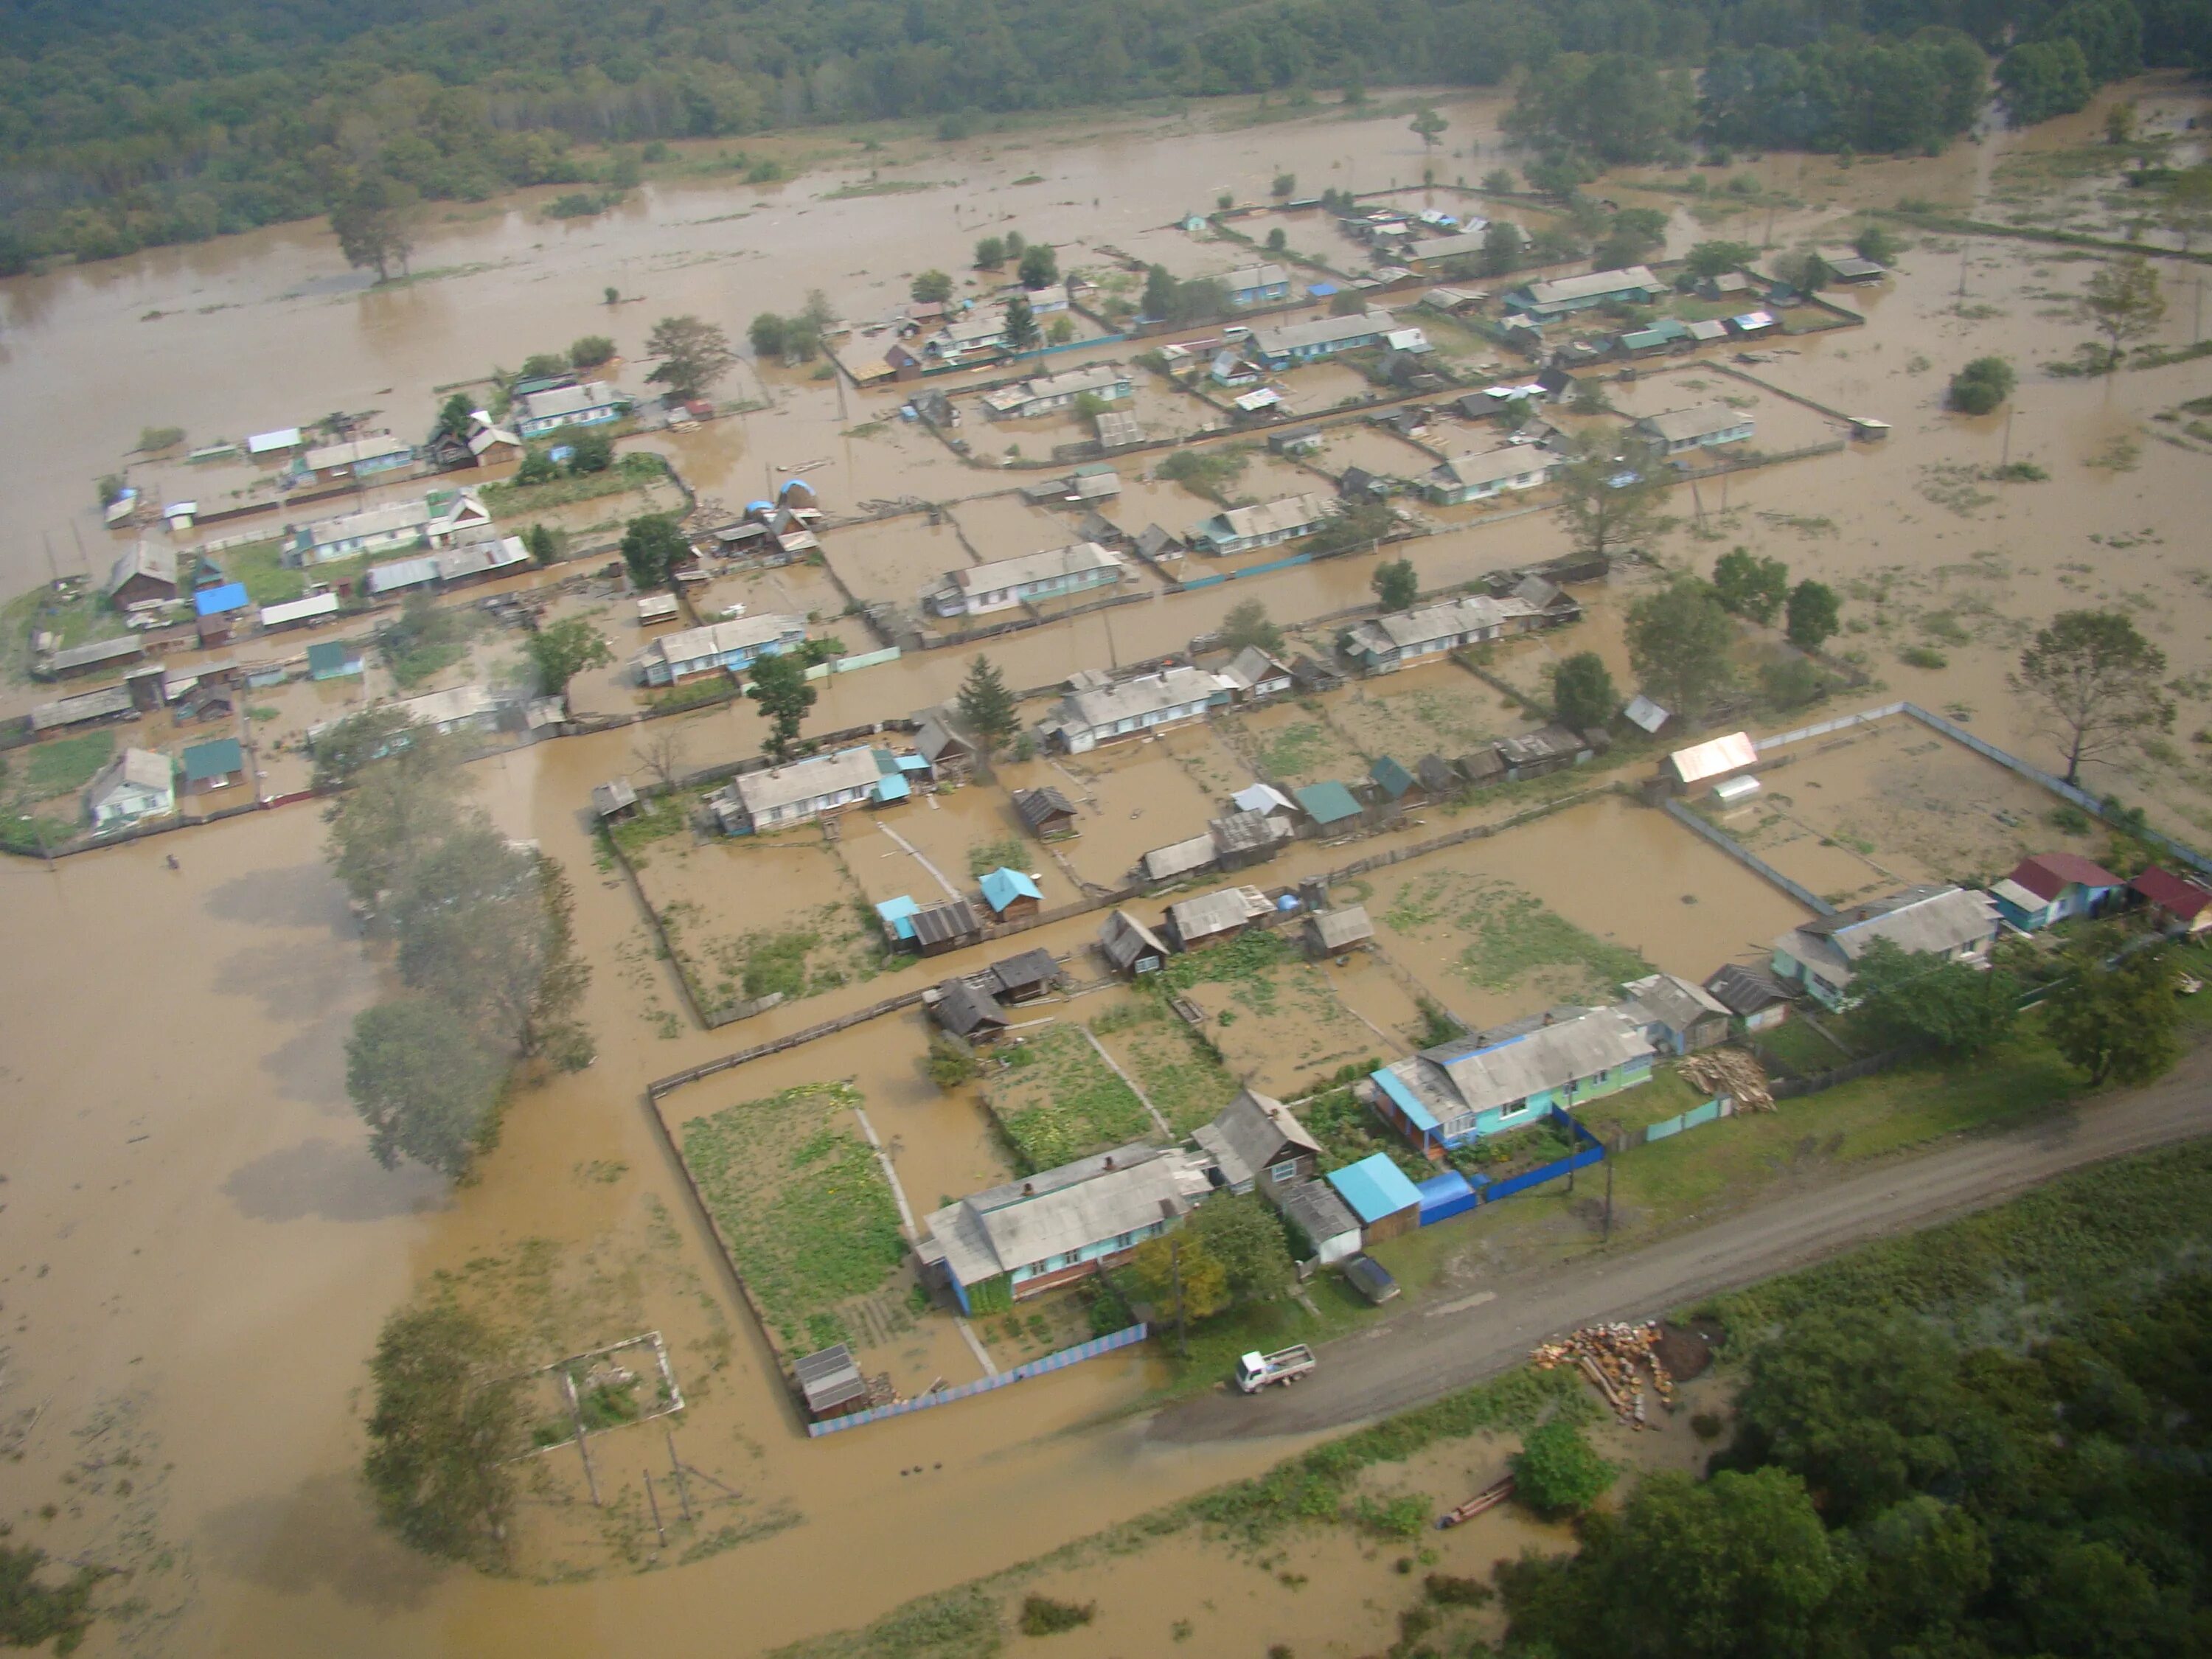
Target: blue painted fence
[(1718, 1107), (1215, 580), (1481, 1190), (1051, 1362)]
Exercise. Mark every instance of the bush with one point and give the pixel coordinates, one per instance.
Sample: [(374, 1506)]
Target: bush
[(1922, 656), (1557, 1473), (1980, 387), (1450, 1590), (1707, 1425), (590, 352), (1042, 1616)]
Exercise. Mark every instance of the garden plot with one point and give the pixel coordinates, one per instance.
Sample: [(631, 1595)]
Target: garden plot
[(747, 916), (1274, 1018), (804, 589), (1295, 744), (1909, 803), (1182, 1078), (1134, 797), (960, 834), (1439, 709), (1056, 1100), (897, 560), (1781, 424), (1006, 527), (1316, 388), (801, 1205), (1379, 997), (1379, 451)]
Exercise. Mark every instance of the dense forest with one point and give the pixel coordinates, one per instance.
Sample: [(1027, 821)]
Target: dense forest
[(129, 123)]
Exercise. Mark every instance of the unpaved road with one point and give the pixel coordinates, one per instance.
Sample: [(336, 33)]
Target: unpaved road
[(1432, 1349)]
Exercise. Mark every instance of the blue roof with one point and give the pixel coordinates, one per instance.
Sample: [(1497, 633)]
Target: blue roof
[(1404, 1100), (913, 764), (897, 915), (1321, 290), (1003, 886), (1376, 1187), (1394, 779), (1327, 803), (215, 601), (892, 786), (1442, 1189)]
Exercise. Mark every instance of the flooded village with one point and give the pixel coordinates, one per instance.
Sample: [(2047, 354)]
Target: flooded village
[(908, 1043)]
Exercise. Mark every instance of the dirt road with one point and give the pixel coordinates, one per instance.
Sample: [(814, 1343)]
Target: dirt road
[(1434, 1348)]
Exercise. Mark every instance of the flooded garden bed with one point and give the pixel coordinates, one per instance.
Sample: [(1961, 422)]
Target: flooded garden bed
[(1274, 1017), (1056, 1099)]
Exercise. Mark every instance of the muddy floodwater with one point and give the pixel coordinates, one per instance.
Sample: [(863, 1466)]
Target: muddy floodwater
[(199, 1250)]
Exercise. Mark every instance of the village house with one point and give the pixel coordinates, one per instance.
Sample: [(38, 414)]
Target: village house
[(979, 332), (374, 530), (972, 1015), (1379, 1193), (950, 756), (466, 709), (1193, 922), (1548, 749), (1850, 270), (731, 647), (1323, 1220), (614, 800), (1244, 838), (491, 444), (1233, 369), (1054, 573), (332, 659), (1255, 675), (1022, 978), (1257, 285), (2054, 887), (1046, 813), (1677, 1017), (1284, 347), (1049, 394), (753, 803), (1130, 948), (1257, 1146), (950, 926), (144, 574), (1388, 643), (1163, 865), (365, 457), (1119, 429), (1240, 529), (1706, 425), (1046, 1230), (1513, 1075), (136, 785), (216, 764), (1093, 712), (1951, 922), (456, 566), (1541, 301), (1011, 894), (1427, 254), (594, 403), (2181, 908), (1755, 999), (1476, 477)]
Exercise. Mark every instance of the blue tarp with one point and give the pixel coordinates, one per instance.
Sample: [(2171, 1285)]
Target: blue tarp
[(1445, 1196), (218, 601), (1375, 1188)]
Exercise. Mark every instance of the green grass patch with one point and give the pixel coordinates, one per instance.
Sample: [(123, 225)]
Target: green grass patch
[(1348, 1132), (64, 764), (988, 855), (633, 471), (801, 1204), (77, 621), (1245, 961), (658, 817), (1057, 1100), (260, 565), (1802, 1048), (957, 1624), (1183, 1078), (1299, 750), (1511, 935), (877, 187)]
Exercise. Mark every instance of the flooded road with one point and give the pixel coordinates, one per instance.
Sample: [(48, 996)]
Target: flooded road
[(200, 1249)]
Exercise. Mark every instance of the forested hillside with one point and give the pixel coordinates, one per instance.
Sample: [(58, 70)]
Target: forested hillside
[(126, 123)]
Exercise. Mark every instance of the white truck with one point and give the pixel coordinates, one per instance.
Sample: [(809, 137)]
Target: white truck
[(1254, 1372)]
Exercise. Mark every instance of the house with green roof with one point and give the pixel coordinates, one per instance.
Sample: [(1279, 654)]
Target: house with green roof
[(214, 765)]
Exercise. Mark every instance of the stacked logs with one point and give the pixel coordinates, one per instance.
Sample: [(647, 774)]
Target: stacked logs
[(1729, 1071), (1610, 1356)]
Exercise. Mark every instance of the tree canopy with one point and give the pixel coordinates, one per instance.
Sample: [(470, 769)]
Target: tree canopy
[(2097, 683), (987, 704), (780, 688), (1397, 585), (425, 1087), (1750, 585), (653, 546), (694, 354), (1678, 640), (448, 1418), (1583, 694)]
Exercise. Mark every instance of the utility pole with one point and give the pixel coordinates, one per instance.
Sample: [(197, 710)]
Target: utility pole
[(1609, 1151), (1175, 1271)]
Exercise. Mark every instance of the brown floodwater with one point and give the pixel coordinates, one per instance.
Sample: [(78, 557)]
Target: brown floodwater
[(202, 1249)]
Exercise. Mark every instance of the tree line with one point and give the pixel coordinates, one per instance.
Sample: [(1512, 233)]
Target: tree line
[(133, 124)]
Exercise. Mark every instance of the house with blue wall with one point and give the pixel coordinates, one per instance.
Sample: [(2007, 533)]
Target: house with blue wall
[(2054, 887), (1817, 957), (1043, 1230), (730, 647), (1324, 337), (594, 403), (1257, 285), (1509, 1077)]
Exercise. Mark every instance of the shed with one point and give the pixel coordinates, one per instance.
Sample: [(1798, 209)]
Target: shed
[(1049, 814), (1444, 1196), (1755, 999), (214, 765), (1645, 715), (1481, 766), (1210, 916), (2183, 908), (1711, 761), (1674, 1014), (971, 1015), (1325, 1221), (1129, 946), (1178, 859), (614, 799), (1245, 837), (332, 659), (1435, 775), (1012, 895), (950, 754), (830, 1383), (1378, 1193), (221, 601), (947, 926), (1391, 778), (1330, 805), (1023, 978), (1331, 932), (2051, 887), (897, 916)]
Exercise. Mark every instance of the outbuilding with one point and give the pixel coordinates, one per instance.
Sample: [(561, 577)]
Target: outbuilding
[(947, 926), (138, 784), (1012, 895), (1675, 1015), (2053, 887), (1047, 814), (1324, 1220), (214, 765), (1377, 1191), (1130, 947), (2182, 908), (614, 800), (1256, 1144), (1023, 978), (1333, 933), (1755, 999), (970, 1014)]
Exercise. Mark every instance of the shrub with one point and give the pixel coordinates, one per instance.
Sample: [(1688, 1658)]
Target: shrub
[(1707, 1425), (1557, 1473), (1980, 387), (1450, 1590), (1922, 656), (1042, 1616)]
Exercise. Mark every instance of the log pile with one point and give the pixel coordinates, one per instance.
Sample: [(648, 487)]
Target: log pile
[(1614, 1358), (1729, 1071)]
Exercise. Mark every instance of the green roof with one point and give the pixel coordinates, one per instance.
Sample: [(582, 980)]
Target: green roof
[(218, 759), (1327, 803), (1391, 778)]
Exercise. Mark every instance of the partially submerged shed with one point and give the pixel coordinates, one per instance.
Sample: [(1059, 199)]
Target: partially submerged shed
[(947, 926), (1331, 932), (614, 799), (1023, 978), (971, 1015), (1129, 946), (830, 1383), (1049, 814)]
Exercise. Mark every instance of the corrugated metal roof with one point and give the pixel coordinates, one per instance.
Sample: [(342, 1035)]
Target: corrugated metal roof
[(1179, 858), (1315, 1210), (1713, 758), (1252, 1132), (2179, 897), (217, 759), (1375, 1188), (2049, 874), (1328, 802), (1216, 912), (218, 601), (1485, 1072), (1126, 940)]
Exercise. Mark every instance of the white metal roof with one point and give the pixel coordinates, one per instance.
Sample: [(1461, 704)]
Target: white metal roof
[(1711, 759), (292, 611)]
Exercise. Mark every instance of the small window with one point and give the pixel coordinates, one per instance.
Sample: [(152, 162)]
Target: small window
[(1513, 1111), (1286, 1171)]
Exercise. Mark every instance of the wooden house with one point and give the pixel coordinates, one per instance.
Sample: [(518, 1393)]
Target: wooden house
[(1047, 814), (1378, 1192), (947, 926), (1012, 895), (1130, 948), (1256, 1144)]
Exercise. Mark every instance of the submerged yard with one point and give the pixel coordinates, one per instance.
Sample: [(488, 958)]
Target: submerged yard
[(1058, 1100)]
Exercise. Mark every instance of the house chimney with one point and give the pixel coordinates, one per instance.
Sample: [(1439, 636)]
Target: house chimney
[(1029, 1189)]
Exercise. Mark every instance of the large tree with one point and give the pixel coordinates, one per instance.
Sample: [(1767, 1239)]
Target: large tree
[(1583, 694), (1750, 585), (1678, 640), (2124, 303), (986, 705), (694, 354), (1814, 615), (1021, 325), (1244, 1233), (1557, 1473), (779, 685), (652, 547), (1611, 490), (425, 1086), (368, 214), (1428, 126), (2097, 683), (1180, 1277), (1247, 624), (1397, 585), (394, 811), (2114, 1015), (1919, 996), (560, 651), (447, 1424)]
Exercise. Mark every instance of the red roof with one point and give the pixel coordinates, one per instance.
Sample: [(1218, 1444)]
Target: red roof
[(2179, 898), (2049, 874)]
